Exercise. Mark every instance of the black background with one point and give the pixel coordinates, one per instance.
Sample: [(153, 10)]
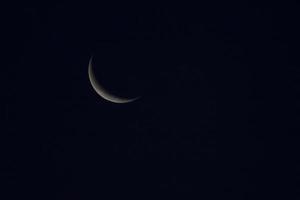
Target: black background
[(216, 118)]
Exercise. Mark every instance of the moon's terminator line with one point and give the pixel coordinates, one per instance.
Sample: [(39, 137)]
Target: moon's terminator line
[(102, 91)]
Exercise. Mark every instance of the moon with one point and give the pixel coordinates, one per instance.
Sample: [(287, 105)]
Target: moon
[(100, 90)]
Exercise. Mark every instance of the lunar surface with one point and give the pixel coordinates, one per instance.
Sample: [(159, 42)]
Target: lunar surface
[(104, 93)]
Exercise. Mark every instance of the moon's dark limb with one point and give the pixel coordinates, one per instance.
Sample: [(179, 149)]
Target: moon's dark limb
[(105, 94)]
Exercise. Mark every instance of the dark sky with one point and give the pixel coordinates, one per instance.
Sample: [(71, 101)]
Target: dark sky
[(216, 119)]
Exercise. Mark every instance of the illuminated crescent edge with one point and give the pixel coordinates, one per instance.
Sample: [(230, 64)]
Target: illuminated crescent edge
[(102, 91)]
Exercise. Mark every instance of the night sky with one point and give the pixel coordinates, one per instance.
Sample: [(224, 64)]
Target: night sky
[(216, 119)]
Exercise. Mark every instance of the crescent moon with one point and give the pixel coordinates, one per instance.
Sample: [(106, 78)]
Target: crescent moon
[(102, 91)]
